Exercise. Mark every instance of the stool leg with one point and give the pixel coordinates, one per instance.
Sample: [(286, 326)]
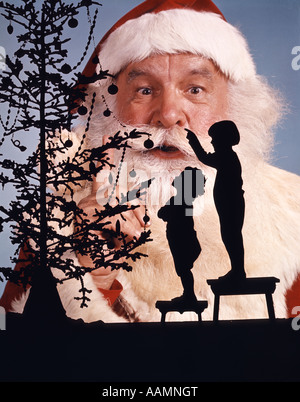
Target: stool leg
[(163, 317), (270, 306), (216, 308)]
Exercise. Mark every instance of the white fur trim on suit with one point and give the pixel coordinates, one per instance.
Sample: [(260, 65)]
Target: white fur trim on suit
[(178, 31)]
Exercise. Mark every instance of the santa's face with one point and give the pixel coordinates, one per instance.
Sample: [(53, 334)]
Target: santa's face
[(162, 95), (171, 91)]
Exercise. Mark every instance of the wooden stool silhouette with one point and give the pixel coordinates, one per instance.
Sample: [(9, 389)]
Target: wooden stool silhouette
[(265, 285), (166, 306)]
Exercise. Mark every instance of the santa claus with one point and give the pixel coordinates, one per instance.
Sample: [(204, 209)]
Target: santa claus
[(180, 65)]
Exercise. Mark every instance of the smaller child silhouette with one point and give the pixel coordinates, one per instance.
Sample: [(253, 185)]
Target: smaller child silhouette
[(182, 238)]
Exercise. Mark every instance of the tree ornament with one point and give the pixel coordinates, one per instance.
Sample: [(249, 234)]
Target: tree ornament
[(107, 113), (110, 245), (68, 143), (73, 22), (95, 60), (18, 145), (112, 89), (146, 219), (66, 69), (10, 29), (148, 144), (82, 110)]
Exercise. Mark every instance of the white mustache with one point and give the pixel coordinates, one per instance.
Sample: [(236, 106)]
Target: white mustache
[(175, 137)]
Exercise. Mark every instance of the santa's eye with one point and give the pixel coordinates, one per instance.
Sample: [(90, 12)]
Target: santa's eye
[(195, 90), (145, 91)]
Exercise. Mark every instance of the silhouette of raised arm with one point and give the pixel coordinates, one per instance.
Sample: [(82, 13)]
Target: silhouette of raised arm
[(202, 155)]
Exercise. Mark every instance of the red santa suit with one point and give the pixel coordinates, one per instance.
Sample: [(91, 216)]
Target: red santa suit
[(272, 222)]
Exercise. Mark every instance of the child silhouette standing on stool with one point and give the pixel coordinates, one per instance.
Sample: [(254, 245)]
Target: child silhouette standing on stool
[(228, 193), (182, 238)]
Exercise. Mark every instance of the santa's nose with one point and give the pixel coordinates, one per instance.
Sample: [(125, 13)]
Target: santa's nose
[(169, 111)]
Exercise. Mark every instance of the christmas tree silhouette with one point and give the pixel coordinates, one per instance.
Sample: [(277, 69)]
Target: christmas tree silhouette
[(39, 100)]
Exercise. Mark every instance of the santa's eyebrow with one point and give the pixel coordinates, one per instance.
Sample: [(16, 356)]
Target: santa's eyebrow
[(133, 74), (203, 72)]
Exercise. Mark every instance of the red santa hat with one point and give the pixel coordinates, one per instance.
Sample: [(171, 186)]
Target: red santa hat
[(174, 26)]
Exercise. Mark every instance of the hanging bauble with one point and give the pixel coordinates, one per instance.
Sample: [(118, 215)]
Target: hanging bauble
[(132, 173), (112, 89), (82, 110), (110, 244), (73, 22), (95, 60), (148, 144), (146, 219), (22, 148), (107, 113), (68, 143), (17, 144), (10, 29), (66, 69)]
